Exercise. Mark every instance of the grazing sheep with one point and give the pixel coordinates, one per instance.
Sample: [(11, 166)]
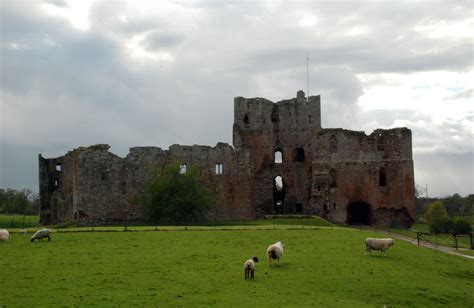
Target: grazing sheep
[(249, 268), (382, 244), (275, 252), (22, 231), (4, 235), (41, 234)]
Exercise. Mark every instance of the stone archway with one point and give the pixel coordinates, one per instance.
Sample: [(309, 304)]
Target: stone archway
[(359, 213)]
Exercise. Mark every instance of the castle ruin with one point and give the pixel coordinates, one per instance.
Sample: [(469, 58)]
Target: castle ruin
[(282, 162)]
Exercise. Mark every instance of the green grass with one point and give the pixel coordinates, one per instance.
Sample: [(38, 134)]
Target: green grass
[(321, 267), (18, 221)]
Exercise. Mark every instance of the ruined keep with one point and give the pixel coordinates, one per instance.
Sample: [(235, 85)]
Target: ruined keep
[(282, 162)]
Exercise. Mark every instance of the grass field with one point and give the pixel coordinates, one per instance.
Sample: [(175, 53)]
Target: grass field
[(321, 267)]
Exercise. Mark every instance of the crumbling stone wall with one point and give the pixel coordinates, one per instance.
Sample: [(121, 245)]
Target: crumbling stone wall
[(342, 175)]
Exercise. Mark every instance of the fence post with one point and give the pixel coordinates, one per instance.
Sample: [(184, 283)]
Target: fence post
[(126, 225), (455, 241)]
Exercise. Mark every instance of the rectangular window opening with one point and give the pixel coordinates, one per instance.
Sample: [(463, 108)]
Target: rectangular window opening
[(59, 167)]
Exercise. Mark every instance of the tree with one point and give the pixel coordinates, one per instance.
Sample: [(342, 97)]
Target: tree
[(18, 202), (436, 211), (174, 196)]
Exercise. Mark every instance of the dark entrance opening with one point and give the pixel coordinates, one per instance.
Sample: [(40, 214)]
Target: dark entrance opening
[(278, 195), (358, 213), (298, 208)]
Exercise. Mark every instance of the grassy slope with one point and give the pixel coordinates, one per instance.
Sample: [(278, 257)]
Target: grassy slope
[(204, 268)]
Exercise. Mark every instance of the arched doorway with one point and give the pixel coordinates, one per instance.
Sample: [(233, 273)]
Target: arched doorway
[(358, 213)]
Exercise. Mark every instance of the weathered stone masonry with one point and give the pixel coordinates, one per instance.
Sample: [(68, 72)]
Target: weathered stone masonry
[(345, 176)]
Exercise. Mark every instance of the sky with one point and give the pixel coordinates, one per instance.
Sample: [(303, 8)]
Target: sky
[(157, 73)]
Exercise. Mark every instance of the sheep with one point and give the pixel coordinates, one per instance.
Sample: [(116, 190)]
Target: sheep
[(4, 235), (382, 244), (40, 234), (275, 252), (249, 268), (22, 231)]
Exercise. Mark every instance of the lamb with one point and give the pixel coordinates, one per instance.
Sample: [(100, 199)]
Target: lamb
[(249, 268), (382, 244), (22, 231), (275, 252), (40, 234), (4, 235)]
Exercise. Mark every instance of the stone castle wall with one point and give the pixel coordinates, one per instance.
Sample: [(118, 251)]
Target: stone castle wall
[(343, 175)]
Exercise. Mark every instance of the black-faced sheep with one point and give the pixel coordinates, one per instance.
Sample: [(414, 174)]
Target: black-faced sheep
[(4, 235), (249, 268), (382, 244), (41, 234), (275, 252)]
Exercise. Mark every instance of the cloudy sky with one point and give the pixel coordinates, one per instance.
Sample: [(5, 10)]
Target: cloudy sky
[(134, 73)]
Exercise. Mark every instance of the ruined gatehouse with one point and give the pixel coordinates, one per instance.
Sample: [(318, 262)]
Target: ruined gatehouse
[(282, 162)]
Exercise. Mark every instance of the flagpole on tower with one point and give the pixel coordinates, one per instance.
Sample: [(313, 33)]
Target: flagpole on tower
[(307, 76)]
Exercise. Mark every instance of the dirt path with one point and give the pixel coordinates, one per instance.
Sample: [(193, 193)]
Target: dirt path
[(426, 244)]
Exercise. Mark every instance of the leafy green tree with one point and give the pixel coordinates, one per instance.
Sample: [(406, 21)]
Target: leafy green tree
[(174, 196), (436, 211), (18, 202)]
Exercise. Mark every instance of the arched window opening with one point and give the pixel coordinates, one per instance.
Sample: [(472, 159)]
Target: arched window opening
[(246, 119), (183, 168), (332, 178), (278, 183), (333, 144), (382, 177), (59, 167), (278, 195), (278, 157), (298, 155)]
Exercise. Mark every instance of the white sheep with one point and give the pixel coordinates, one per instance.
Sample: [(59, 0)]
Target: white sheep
[(249, 268), (275, 252), (40, 234), (382, 244), (4, 235)]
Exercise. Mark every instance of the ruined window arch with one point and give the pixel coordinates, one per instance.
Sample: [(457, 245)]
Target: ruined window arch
[(246, 119), (278, 157), (382, 177), (298, 155), (332, 178), (59, 167), (183, 168), (278, 183), (56, 183), (333, 144)]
